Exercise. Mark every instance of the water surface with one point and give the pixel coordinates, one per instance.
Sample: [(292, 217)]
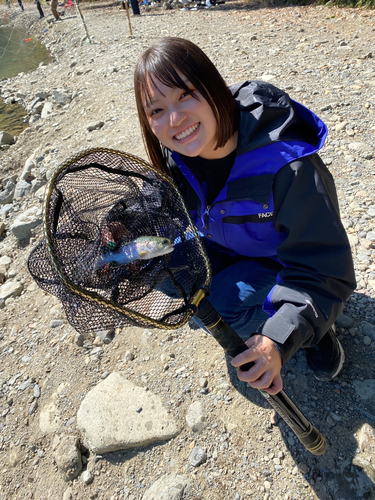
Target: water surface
[(16, 56)]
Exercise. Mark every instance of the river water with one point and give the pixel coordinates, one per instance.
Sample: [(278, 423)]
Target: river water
[(19, 52)]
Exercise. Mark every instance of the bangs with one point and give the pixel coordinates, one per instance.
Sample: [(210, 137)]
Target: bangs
[(165, 73)]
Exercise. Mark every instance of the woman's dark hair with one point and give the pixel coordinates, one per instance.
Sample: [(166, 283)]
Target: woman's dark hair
[(165, 61)]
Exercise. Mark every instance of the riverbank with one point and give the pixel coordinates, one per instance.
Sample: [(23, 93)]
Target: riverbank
[(227, 444)]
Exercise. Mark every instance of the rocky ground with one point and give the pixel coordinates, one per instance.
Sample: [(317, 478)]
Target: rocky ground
[(190, 428)]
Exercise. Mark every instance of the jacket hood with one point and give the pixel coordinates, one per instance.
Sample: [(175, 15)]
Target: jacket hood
[(267, 115)]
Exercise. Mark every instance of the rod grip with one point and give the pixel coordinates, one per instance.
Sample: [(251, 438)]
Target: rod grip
[(232, 344)]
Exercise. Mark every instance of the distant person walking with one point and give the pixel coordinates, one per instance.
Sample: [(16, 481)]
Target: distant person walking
[(39, 7), (134, 6), (54, 5), (20, 4)]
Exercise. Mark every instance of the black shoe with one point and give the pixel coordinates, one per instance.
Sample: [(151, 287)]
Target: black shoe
[(326, 358)]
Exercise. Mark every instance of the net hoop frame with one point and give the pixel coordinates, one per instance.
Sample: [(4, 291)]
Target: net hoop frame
[(59, 173)]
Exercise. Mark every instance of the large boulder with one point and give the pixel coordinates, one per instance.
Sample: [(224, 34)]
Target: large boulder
[(117, 415)]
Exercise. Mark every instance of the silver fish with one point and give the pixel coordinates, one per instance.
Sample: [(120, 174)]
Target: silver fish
[(143, 248)]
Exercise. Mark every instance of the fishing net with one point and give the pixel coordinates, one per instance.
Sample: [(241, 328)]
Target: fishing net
[(100, 200)]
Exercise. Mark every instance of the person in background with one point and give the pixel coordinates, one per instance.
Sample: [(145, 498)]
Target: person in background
[(246, 162), (56, 15), (134, 6), (40, 10), (21, 5)]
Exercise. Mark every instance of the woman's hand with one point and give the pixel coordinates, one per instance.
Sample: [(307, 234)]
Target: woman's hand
[(265, 374)]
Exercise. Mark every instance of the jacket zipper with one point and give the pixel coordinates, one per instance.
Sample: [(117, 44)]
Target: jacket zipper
[(206, 216)]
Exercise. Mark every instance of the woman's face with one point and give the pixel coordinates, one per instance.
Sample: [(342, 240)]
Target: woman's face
[(181, 122)]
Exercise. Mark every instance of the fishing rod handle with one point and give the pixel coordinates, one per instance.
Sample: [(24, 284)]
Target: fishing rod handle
[(233, 345), (222, 332)]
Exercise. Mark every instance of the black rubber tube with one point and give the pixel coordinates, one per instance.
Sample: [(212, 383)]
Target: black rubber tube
[(232, 344)]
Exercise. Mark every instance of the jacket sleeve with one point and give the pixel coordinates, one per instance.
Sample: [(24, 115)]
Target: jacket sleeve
[(318, 274)]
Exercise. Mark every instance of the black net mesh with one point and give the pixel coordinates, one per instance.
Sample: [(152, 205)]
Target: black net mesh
[(98, 202)]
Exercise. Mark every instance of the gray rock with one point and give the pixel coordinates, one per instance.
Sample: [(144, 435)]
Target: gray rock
[(79, 339), (24, 223), (365, 388), (49, 418), (38, 108), (5, 261), (33, 406), (173, 487), (87, 477), (6, 138), (197, 457), (40, 193), (36, 391), (344, 321), (106, 336), (68, 494), (37, 184), (368, 329), (109, 422), (195, 417), (24, 385), (6, 196), (42, 95), (60, 97), (95, 126), (361, 147), (23, 188), (55, 323), (47, 110), (5, 209), (10, 289), (68, 457), (26, 172), (34, 118)]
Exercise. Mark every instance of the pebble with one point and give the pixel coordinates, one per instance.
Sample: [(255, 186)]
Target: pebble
[(55, 323), (129, 356), (197, 457), (87, 477), (36, 391)]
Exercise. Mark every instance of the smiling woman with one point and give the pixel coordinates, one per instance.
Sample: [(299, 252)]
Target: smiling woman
[(184, 122), (245, 160), (165, 68)]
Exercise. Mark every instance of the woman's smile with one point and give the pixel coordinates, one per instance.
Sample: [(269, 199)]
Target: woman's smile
[(187, 133)]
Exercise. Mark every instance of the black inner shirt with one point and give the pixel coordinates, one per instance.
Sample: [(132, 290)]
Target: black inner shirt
[(211, 174)]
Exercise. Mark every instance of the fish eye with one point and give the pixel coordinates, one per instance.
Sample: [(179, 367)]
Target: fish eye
[(164, 241)]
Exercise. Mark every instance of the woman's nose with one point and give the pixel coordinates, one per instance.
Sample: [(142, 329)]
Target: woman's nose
[(176, 118)]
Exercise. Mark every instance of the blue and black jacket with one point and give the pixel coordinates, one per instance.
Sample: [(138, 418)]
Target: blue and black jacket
[(279, 202)]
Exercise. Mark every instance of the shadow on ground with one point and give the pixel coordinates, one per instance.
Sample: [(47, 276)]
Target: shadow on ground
[(337, 408)]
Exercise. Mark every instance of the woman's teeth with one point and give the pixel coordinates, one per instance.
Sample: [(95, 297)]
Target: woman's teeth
[(187, 132)]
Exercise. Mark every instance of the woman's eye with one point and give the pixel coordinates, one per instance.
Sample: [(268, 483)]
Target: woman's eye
[(185, 94), (154, 112)]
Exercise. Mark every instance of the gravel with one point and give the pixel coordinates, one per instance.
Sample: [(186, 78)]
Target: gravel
[(322, 57)]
